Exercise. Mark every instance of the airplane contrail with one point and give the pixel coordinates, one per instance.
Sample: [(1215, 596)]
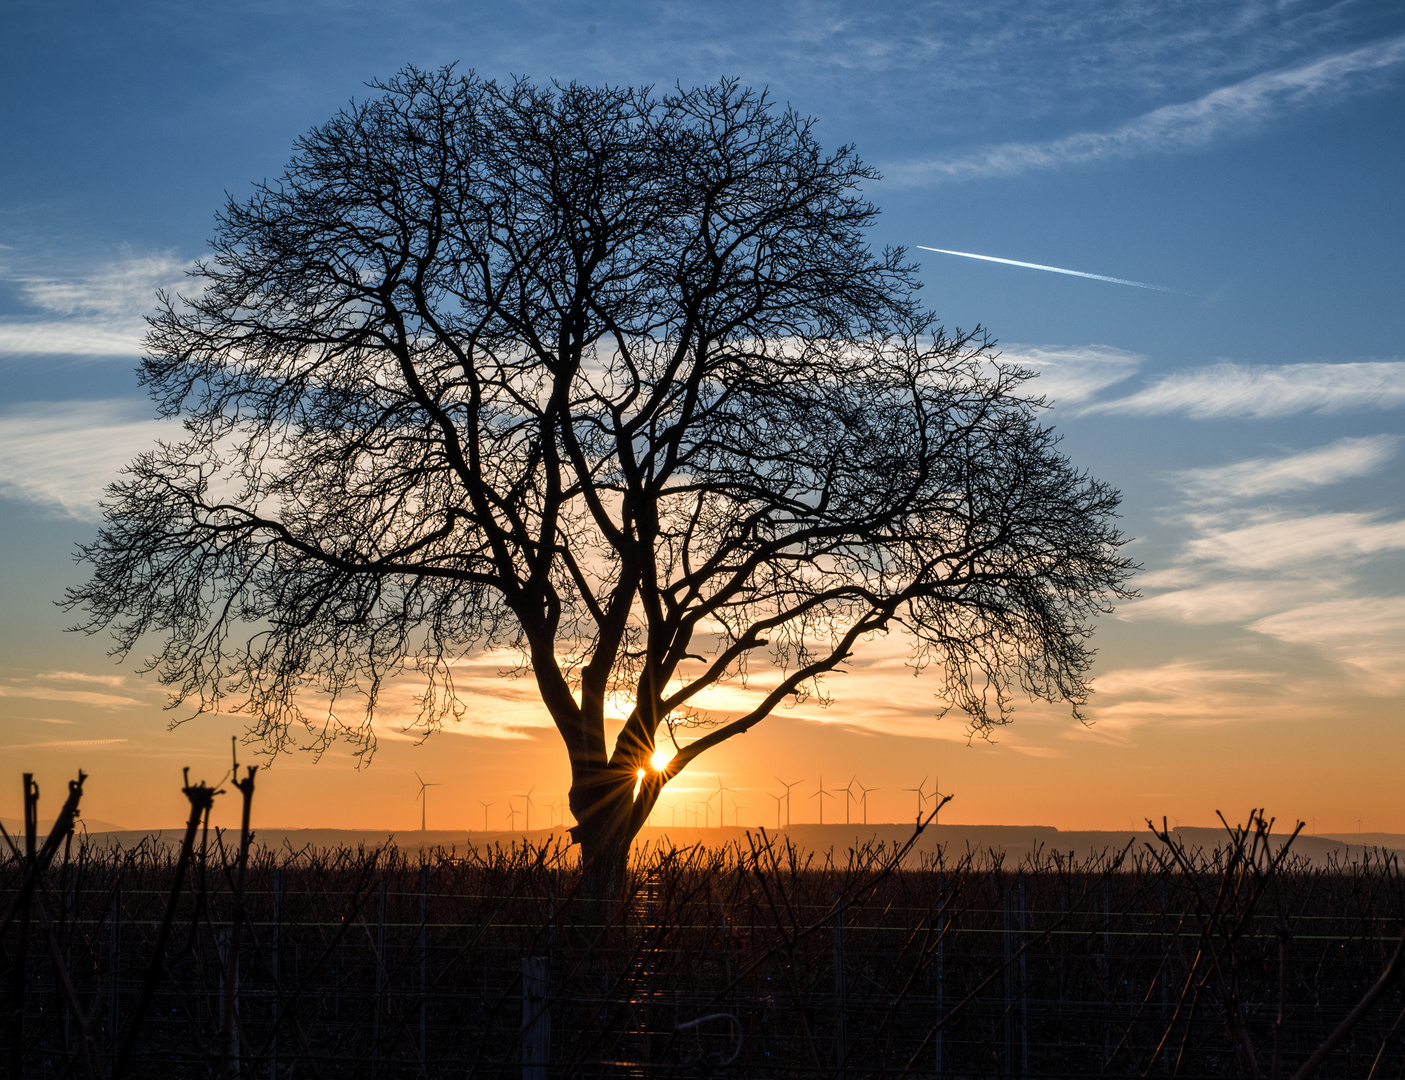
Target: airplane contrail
[(1051, 269)]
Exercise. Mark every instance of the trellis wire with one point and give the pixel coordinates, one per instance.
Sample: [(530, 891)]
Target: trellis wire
[(758, 960)]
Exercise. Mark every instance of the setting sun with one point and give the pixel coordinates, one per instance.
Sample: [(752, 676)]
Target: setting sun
[(661, 759)]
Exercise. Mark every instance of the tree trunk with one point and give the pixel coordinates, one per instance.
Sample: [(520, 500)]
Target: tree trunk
[(605, 864), (608, 817)]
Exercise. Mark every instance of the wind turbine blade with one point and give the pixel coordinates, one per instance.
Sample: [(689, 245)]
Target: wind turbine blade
[(1050, 269)]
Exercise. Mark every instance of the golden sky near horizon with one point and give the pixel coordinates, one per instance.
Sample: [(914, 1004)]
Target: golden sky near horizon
[(1176, 739)]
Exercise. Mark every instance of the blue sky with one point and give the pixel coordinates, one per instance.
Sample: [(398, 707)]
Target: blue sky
[(1247, 155)]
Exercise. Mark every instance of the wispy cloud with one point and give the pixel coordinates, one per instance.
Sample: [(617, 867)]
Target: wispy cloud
[(1257, 477), (1183, 691), (1284, 541), (55, 744), (54, 338), (1267, 390), (1073, 374), (1365, 633), (62, 456), (99, 311), (1289, 573), (1234, 601), (1230, 110), (77, 697), (122, 287), (82, 676)]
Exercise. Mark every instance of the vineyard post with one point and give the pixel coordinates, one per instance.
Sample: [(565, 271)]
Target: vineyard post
[(1064, 895), (1024, 983), (114, 936), (67, 931), (229, 1013), (1165, 977), (553, 885), (1107, 965), (1008, 1064), (380, 975), (273, 967), (227, 949), (536, 1019), (18, 981), (839, 995), (424, 965), (941, 969)]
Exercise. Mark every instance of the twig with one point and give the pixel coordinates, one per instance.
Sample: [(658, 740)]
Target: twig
[(228, 1033), (201, 799), (1330, 1043)]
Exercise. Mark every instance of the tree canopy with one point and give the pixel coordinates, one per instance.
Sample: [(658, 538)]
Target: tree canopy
[(608, 377)]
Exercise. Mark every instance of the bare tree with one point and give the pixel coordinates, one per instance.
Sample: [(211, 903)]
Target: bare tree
[(606, 377)]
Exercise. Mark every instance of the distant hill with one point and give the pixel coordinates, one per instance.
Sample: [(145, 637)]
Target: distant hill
[(1369, 839), (15, 827), (1014, 842)]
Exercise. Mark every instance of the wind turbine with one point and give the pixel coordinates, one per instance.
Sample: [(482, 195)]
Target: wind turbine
[(864, 799), (848, 790), (485, 812), (424, 800), (822, 795), (512, 813), (722, 800), (737, 808), (921, 798), (528, 796), (787, 787), (779, 799)]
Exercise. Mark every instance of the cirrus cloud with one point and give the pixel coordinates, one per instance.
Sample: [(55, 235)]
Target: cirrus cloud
[(1228, 389), (1282, 541), (97, 312), (1364, 633), (1230, 110), (1257, 477), (1233, 601), (61, 455), (75, 697), (1070, 375)]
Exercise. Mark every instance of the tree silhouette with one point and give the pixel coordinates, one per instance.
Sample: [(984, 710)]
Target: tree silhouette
[(608, 378)]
